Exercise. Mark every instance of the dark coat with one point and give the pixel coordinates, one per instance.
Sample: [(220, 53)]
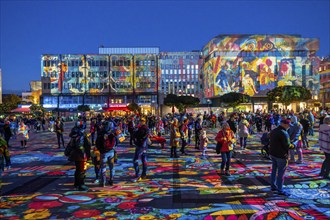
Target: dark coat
[(82, 151), (279, 143)]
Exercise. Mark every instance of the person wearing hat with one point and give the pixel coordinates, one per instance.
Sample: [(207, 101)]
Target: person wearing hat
[(140, 141), (279, 154)]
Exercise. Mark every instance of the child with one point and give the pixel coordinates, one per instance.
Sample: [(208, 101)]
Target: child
[(203, 143)]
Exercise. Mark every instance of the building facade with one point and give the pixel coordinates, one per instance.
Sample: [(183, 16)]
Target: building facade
[(256, 64), (324, 70)]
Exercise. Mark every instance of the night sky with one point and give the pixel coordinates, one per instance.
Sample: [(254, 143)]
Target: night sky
[(29, 29)]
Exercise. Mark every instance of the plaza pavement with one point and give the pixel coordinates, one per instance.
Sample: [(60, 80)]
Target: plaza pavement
[(39, 185)]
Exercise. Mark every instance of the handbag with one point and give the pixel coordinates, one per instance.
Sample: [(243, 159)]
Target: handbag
[(218, 147)]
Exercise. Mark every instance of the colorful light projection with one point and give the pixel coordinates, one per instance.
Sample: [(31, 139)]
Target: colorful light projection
[(145, 73), (121, 73), (255, 64)]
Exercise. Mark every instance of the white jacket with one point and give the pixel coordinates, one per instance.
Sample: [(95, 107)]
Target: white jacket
[(324, 138)]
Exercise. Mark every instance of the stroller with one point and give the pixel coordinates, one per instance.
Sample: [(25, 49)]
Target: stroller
[(265, 142)]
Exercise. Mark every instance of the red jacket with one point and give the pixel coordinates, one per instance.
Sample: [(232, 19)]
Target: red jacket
[(226, 138)]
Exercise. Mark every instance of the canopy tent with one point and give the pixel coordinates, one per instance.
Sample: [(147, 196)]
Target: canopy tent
[(116, 108), (21, 110)]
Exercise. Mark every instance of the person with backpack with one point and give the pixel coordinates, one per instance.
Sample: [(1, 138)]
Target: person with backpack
[(140, 140), (80, 153), (305, 124), (106, 142)]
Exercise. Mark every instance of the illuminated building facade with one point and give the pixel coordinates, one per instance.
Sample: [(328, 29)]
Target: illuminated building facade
[(325, 82), (255, 64)]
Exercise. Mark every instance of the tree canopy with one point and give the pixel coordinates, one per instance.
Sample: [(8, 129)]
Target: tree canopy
[(233, 99), (180, 102), (9, 103), (289, 94), (37, 109), (134, 107)]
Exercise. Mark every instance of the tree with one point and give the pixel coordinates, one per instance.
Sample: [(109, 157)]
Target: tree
[(289, 94), (180, 102), (134, 107), (83, 108), (37, 109), (4, 108), (12, 101), (233, 99)]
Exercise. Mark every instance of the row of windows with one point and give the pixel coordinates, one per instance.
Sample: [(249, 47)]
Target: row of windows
[(122, 85), (179, 57), (145, 85), (146, 74), (179, 66), (171, 71), (187, 77), (73, 63)]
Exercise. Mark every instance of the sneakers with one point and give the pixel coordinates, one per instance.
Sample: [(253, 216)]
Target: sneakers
[(96, 181), (227, 173), (143, 176)]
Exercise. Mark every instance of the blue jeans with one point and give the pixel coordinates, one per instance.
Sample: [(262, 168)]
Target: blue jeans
[(242, 141), (140, 152), (107, 158), (279, 166), (226, 156)]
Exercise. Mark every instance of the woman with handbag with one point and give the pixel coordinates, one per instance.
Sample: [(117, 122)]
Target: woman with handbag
[(226, 138)]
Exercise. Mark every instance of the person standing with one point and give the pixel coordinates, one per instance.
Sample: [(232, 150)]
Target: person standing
[(23, 134), (106, 142), (279, 153), (7, 132), (226, 138), (140, 141), (198, 131), (243, 131), (80, 154), (174, 137), (184, 135), (295, 138), (59, 129), (324, 141)]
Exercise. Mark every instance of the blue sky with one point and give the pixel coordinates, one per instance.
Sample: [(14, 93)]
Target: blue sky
[(29, 29)]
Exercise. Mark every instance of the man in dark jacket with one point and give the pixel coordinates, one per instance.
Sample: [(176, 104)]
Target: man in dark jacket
[(140, 141), (80, 154), (279, 153)]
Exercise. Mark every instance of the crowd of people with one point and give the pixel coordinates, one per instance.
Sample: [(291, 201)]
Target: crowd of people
[(287, 135)]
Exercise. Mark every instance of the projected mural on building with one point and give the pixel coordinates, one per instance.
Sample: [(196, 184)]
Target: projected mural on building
[(255, 64), (121, 74), (145, 73)]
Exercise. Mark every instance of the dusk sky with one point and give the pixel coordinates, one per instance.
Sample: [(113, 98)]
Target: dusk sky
[(29, 29)]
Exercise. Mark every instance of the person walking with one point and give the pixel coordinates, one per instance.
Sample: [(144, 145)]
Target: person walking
[(140, 141), (23, 134), (279, 153), (324, 141), (59, 129), (203, 143), (226, 138), (80, 154)]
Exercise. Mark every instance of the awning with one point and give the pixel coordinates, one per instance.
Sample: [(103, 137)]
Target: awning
[(116, 108), (21, 110)]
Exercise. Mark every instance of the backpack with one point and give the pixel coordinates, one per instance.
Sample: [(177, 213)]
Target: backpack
[(109, 142), (73, 144), (265, 138)]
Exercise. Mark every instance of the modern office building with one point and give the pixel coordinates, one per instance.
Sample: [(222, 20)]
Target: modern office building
[(255, 64), (180, 73)]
